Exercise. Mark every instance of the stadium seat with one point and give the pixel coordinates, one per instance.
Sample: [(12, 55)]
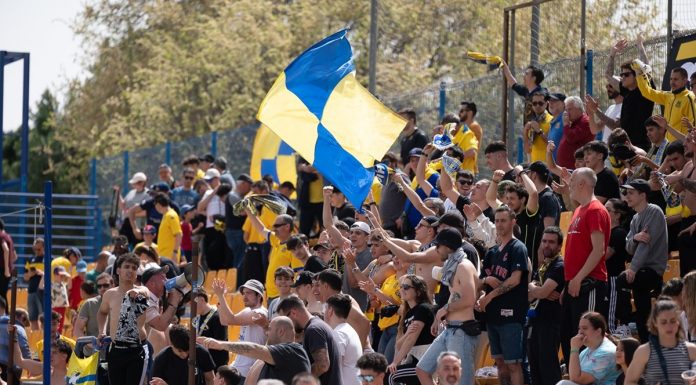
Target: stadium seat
[(672, 270), (209, 277), (231, 279)]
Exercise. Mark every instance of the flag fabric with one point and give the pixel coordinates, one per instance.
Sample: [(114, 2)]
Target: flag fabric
[(492, 61), (682, 54), (82, 371), (320, 110), (270, 155)]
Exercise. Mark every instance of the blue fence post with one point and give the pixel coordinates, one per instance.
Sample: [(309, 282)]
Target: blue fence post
[(47, 337), (126, 177), (520, 150), (24, 163), (97, 228), (213, 143), (588, 72), (168, 153), (443, 101), (93, 177)]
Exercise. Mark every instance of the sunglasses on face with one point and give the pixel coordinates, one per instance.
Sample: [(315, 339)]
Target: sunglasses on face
[(366, 378), (277, 225), (103, 286), (625, 74), (538, 103), (465, 181), (188, 177), (406, 287)]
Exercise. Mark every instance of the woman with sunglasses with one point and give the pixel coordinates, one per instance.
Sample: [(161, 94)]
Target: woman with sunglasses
[(663, 359), (414, 335)]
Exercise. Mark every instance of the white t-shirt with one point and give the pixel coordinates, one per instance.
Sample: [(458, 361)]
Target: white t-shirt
[(350, 349), (250, 333), (613, 112), (215, 207)]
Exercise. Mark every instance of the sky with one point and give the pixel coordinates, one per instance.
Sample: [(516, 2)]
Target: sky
[(42, 28)]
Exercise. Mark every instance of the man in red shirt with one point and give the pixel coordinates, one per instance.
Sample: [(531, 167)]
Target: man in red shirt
[(576, 132), (586, 246)]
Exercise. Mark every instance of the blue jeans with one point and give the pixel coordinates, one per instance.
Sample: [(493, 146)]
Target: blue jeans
[(387, 342), (235, 242), (506, 341), (452, 339)]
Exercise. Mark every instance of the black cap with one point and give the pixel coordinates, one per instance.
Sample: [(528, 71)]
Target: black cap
[(451, 238), (245, 178), (557, 96), (540, 168), (152, 271), (160, 187), (336, 190), (638, 184), (305, 278), (221, 163), (431, 220), (451, 219), (207, 158), (417, 151), (294, 241), (320, 245)]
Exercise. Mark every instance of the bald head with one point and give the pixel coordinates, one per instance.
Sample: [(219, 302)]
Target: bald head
[(281, 330), (582, 184), (587, 174)]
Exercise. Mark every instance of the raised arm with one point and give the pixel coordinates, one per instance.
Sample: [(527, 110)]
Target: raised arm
[(258, 225), (227, 317), (249, 349), (509, 77), (492, 192), (420, 170), (609, 70), (337, 240), (447, 187), (412, 196), (533, 201)]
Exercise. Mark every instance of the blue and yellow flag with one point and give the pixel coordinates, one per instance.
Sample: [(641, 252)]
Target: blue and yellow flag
[(82, 371), (320, 110), (271, 156)]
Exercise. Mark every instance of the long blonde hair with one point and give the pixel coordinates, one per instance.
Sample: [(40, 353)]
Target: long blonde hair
[(689, 301)]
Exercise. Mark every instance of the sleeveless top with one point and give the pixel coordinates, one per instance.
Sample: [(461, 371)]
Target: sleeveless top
[(676, 361)]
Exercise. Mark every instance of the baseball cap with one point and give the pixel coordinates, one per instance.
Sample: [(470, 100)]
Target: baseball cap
[(152, 271), (430, 220), (450, 219), (81, 266), (149, 229), (160, 187), (638, 184), (207, 158), (59, 269), (324, 245), (417, 151), (449, 237), (138, 177), (305, 278), (253, 285), (211, 174), (186, 208), (557, 96), (362, 226), (540, 168), (245, 178)]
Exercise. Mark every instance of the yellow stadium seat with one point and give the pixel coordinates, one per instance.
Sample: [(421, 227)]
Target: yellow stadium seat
[(672, 270), (209, 277), (564, 224), (231, 279)]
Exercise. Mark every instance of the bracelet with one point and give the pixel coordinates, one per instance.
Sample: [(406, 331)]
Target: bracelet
[(574, 350)]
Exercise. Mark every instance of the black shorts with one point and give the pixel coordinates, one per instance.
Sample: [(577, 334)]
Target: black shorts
[(127, 363)]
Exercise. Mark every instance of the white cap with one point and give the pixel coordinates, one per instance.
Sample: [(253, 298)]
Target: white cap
[(211, 173), (138, 177), (362, 226)]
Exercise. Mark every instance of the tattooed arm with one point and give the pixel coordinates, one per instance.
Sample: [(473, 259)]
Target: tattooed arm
[(504, 287), (321, 361), (689, 185), (249, 349)]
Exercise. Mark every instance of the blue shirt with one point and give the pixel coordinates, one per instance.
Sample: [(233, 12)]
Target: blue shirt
[(184, 197), (600, 363), (556, 132), (5, 341)]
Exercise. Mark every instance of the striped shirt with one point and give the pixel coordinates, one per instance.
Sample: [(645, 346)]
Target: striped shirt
[(676, 360)]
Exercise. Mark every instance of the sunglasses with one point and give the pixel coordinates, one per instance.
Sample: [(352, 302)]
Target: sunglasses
[(366, 378), (406, 287), (104, 286), (277, 225), (465, 181), (538, 103), (188, 178), (625, 74)]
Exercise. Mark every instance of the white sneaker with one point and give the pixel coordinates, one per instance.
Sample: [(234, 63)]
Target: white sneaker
[(641, 67), (622, 331)]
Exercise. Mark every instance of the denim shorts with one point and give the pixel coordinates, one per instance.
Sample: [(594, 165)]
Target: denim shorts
[(35, 305), (452, 339), (506, 341)]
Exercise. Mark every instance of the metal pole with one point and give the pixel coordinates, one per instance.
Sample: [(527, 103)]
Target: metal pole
[(534, 37), (669, 29), (24, 162), (126, 177), (93, 177), (193, 310), (13, 306), (213, 143), (2, 104), (372, 75), (583, 15), (588, 71), (48, 203), (443, 101), (510, 140), (504, 106), (168, 153)]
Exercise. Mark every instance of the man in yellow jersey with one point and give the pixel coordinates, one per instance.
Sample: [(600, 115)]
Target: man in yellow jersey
[(252, 265), (280, 255), (169, 234), (465, 139), (678, 102), (467, 113), (536, 130)]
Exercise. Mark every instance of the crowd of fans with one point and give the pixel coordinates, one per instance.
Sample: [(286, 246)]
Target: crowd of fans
[(435, 270)]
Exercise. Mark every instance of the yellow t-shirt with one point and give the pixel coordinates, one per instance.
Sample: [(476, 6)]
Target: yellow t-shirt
[(376, 190), (169, 228), (466, 140), (152, 245), (279, 256), (267, 217), (390, 288), (61, 261), (200, 174), (538, 147), (40, 343)]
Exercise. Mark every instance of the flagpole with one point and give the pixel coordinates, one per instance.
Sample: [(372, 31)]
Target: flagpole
[(373, 47)]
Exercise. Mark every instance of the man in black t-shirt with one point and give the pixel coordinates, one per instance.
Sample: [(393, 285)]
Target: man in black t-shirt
[(544, 320), (283, 358), (234, 235), (504, 279), (33, 271), (319, 340), (523, 199), (607, 187), (299, 246), (207, 324), (342, 209), (171, 364), (411, 137)]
